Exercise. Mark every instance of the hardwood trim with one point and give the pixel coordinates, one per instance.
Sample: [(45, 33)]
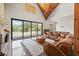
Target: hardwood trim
[(76, 28)]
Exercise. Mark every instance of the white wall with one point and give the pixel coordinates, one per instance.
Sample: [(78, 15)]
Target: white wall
[(63, 15), (63, 9), (66, 24), (1, 14)]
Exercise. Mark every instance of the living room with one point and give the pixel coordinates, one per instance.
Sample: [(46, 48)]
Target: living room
[(31, 29)]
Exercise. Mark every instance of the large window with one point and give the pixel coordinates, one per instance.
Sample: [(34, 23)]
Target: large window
[(23, 29), (34, 29), (40, 29), (17, 29), (27, 29)]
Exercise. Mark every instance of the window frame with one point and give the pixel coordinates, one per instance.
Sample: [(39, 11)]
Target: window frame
[(30, 30), (41, 29), (37, 29), (23, 28)]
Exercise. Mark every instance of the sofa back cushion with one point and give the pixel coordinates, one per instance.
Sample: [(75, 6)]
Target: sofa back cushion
[(40, 39), (67, 41)]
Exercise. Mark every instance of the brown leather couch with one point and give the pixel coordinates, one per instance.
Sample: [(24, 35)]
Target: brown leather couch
[(64, 42)]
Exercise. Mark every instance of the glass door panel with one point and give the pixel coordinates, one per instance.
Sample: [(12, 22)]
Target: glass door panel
[(27, 29), (40, 28), (34, 29), (16, 29)]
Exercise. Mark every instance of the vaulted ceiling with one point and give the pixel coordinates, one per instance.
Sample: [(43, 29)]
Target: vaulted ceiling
[(47, 8)]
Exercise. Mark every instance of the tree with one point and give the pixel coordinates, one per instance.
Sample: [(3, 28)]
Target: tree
[(26, 27)]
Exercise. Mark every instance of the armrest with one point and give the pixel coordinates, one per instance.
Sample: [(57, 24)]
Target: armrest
[(52, 50), (64, 48)]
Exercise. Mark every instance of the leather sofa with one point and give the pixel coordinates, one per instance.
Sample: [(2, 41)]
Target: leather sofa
[(64, 41), (60, 48)]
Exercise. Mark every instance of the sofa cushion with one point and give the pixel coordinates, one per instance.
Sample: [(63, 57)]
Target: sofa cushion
[(40, 39), (64, 34), (68, 41), (70, 36), (56, 33)]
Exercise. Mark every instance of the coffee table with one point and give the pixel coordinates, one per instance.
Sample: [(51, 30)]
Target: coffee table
[(34, 49)]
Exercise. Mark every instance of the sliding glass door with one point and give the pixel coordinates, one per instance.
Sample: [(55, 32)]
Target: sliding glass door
[(40, 29), (34, 29), (23, 29), (17, 35), (27, 29), (16, 29)]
